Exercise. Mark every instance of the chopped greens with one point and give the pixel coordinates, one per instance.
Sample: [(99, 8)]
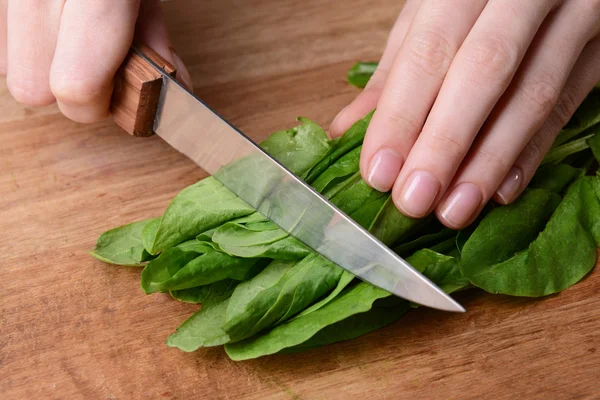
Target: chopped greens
[(264, 292)]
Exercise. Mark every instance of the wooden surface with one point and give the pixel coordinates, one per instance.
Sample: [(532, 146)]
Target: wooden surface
[(74, 328)]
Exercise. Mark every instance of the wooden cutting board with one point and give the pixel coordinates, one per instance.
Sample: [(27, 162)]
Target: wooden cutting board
[(72, 327)]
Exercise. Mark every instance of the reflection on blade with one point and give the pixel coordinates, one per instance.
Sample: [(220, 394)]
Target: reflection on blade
[(240, 165)]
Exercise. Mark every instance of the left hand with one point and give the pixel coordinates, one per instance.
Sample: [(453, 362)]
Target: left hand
[(69, 51), (470, 95)]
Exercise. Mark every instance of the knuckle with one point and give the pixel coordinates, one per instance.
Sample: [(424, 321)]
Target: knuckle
[(538, 146), (402, 123), (491, 59), (31, 92), (429, 53), (565, 108), (76, 91), (492, 159), (446, 145), (541, 94)]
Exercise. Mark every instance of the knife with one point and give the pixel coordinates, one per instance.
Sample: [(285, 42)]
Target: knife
[(148, 99)]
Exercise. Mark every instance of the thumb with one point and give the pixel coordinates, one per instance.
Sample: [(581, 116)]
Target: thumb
[(151, 30)]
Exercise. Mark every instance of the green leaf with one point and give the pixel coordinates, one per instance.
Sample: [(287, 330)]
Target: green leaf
[(204, 328), (208, 204), (562, 254), (299, 148), (177, 269), (594, 143), (349, 141), (560, 153), (344, 281), (259, 239), (586, 116), (464, 235), (368, 212), (367, 204), (123, 245), (196, 246), (356, 196), (306, 301), (197, 208), (248, 290), (356, 299), (428, 240), (506, 230), (448, 247), (391, 225), (288, 248), (163, 268), (254, 217), (443, 270), (149, 233), (555, 177), (194, 295), (361, 72), (383, 312), (301, 285), (338, 172)]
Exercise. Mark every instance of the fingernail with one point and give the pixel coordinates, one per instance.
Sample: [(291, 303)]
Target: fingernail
[(182, 73), (419, 193), (384, 169), (511, 185), (462, 203)]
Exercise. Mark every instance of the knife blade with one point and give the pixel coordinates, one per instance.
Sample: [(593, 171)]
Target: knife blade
[(192, 128)]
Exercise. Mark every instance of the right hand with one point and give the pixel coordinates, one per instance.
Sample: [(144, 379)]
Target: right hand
[(469, 97), (70, 51)]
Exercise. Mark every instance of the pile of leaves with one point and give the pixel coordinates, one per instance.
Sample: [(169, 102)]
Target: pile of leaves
[(263, 292)]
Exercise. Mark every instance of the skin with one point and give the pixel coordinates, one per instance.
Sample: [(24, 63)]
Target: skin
[(470, 94), (69, 51)]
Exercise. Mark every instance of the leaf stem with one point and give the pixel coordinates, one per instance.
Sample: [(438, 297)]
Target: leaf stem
[(561, 152)]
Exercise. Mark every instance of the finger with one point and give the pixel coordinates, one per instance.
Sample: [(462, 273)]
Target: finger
[(3, 10), (412, 86), (581, 80), (366, 101), (518, 115), (93, 40), (479, 74), (152, 30), (31, 38)]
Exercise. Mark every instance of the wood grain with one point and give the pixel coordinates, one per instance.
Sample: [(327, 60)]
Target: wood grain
[(75, 328), (137, 90)]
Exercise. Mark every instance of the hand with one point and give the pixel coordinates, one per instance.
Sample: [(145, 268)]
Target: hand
[(470, 95), (69, 51)]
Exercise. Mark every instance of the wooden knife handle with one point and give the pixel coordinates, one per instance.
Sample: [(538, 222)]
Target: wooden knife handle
[(137, 89)]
